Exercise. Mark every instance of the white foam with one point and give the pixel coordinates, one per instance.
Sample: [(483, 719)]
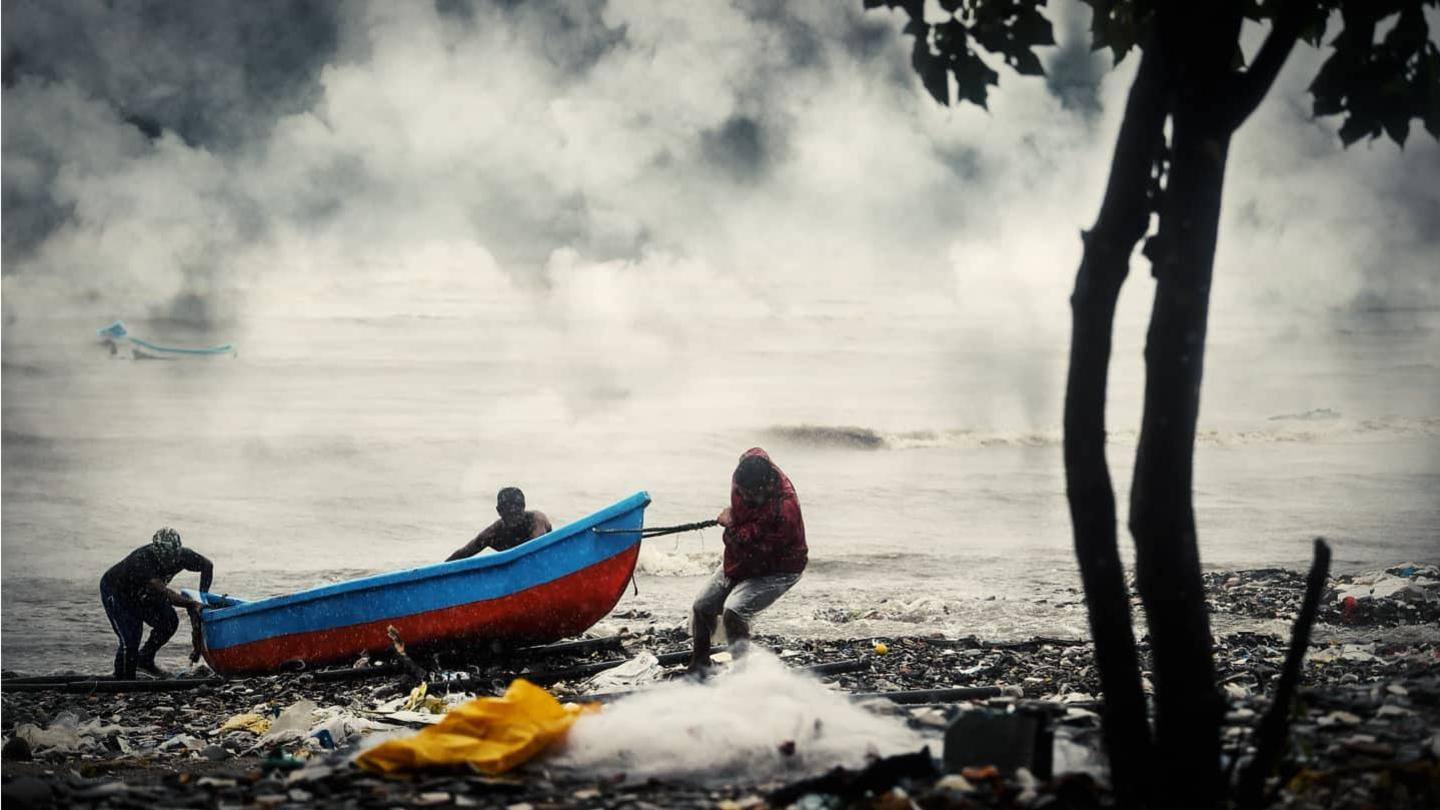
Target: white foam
[(734, 724), (663, 563)]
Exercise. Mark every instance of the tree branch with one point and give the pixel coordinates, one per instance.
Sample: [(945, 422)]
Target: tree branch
[(1124, 216), (1252, 85), (1271, 734)]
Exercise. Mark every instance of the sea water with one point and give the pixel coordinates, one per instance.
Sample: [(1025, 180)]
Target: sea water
[(370, 433)]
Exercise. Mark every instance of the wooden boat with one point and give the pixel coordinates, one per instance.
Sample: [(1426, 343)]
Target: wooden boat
[(550, 588), (115, 335)]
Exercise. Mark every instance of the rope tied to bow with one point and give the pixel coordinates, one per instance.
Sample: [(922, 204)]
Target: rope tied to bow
[(659, 531)]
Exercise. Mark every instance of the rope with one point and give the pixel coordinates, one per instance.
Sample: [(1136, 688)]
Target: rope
[(657, 531)]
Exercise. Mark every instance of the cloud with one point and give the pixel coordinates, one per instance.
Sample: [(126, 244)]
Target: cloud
[(204, 162)]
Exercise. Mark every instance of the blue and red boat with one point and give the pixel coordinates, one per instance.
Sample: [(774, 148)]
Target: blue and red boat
[(550, 588)]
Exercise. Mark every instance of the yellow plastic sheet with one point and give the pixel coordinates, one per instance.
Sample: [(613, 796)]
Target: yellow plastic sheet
[(253, 723), (491, 735)]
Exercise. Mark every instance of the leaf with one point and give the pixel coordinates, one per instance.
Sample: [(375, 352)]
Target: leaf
[(1119, 24), (931, 71), (1354, 129), (1327, 105), (972, 76), (1381, 87), (1028, 64), (1398, 127), (950, 38), (1032, 29)]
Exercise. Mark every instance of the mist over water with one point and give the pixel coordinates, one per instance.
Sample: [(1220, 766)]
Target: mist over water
[(585, 262), (354, 447)]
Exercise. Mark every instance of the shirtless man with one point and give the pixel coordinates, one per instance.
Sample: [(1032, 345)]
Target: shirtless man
[(514, 527)]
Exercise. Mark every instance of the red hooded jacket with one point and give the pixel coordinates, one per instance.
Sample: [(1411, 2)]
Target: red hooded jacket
[(765, 539)]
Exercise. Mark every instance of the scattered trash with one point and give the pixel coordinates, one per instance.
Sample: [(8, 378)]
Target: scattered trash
[(848, 785), (1366, 714), (182, 741), (491, 735), (254, 723), (65, 734), (16, 750), (1006, 740), (642, 669)]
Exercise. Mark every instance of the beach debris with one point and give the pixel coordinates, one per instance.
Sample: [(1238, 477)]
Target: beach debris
[(1010, 741), (849, 785), (642, 669), (1389, 682), (413, 671), (16, 750), (27, 791), (182, 741), (65, 734), (256, 724), (490, 735)]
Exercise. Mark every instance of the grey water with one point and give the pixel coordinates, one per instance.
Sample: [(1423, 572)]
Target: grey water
[(927, 461)]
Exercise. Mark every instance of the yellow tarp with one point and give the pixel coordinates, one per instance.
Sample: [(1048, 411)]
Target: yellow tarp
[(491, 735), (253, 723)]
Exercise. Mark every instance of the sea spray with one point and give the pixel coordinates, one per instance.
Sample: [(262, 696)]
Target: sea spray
[(666, 562), (760, 720)]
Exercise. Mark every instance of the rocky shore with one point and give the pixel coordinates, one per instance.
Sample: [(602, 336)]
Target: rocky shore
[(1364, 731)]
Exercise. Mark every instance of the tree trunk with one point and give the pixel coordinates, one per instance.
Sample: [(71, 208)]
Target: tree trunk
[(1188, 706), (1123, 219)]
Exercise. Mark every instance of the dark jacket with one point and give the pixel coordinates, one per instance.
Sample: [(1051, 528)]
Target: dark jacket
[(129, 579), (768, 539)]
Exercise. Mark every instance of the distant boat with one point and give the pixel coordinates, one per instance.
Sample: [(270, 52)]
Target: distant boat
[(116, 335), (555, 586)]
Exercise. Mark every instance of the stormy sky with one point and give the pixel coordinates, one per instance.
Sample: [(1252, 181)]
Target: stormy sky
[(214, 161)]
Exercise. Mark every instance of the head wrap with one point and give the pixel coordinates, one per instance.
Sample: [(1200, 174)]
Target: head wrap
[(754, 473), (166, 541)]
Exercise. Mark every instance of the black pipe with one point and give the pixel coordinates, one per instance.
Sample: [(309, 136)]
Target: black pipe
[(580, 646), (34, 679), (932, 695), (837, 667), (108, 685)]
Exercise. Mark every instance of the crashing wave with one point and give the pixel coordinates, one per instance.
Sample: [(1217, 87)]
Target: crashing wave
[(1318, 425), (1312, 415), (828, 436)]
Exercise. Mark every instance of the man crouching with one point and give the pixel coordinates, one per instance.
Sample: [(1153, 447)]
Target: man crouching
[(765, 553)]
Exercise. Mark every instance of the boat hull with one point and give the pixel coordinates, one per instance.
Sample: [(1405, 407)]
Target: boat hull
[(551, 588)]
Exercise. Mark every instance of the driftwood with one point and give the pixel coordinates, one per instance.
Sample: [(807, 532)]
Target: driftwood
[(1270, 736)]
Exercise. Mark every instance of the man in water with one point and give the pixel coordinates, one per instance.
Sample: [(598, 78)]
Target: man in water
[(514, 527), (765, 553), (136, 592)]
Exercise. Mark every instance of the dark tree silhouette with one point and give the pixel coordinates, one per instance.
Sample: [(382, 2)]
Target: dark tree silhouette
[(1191, 92)]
